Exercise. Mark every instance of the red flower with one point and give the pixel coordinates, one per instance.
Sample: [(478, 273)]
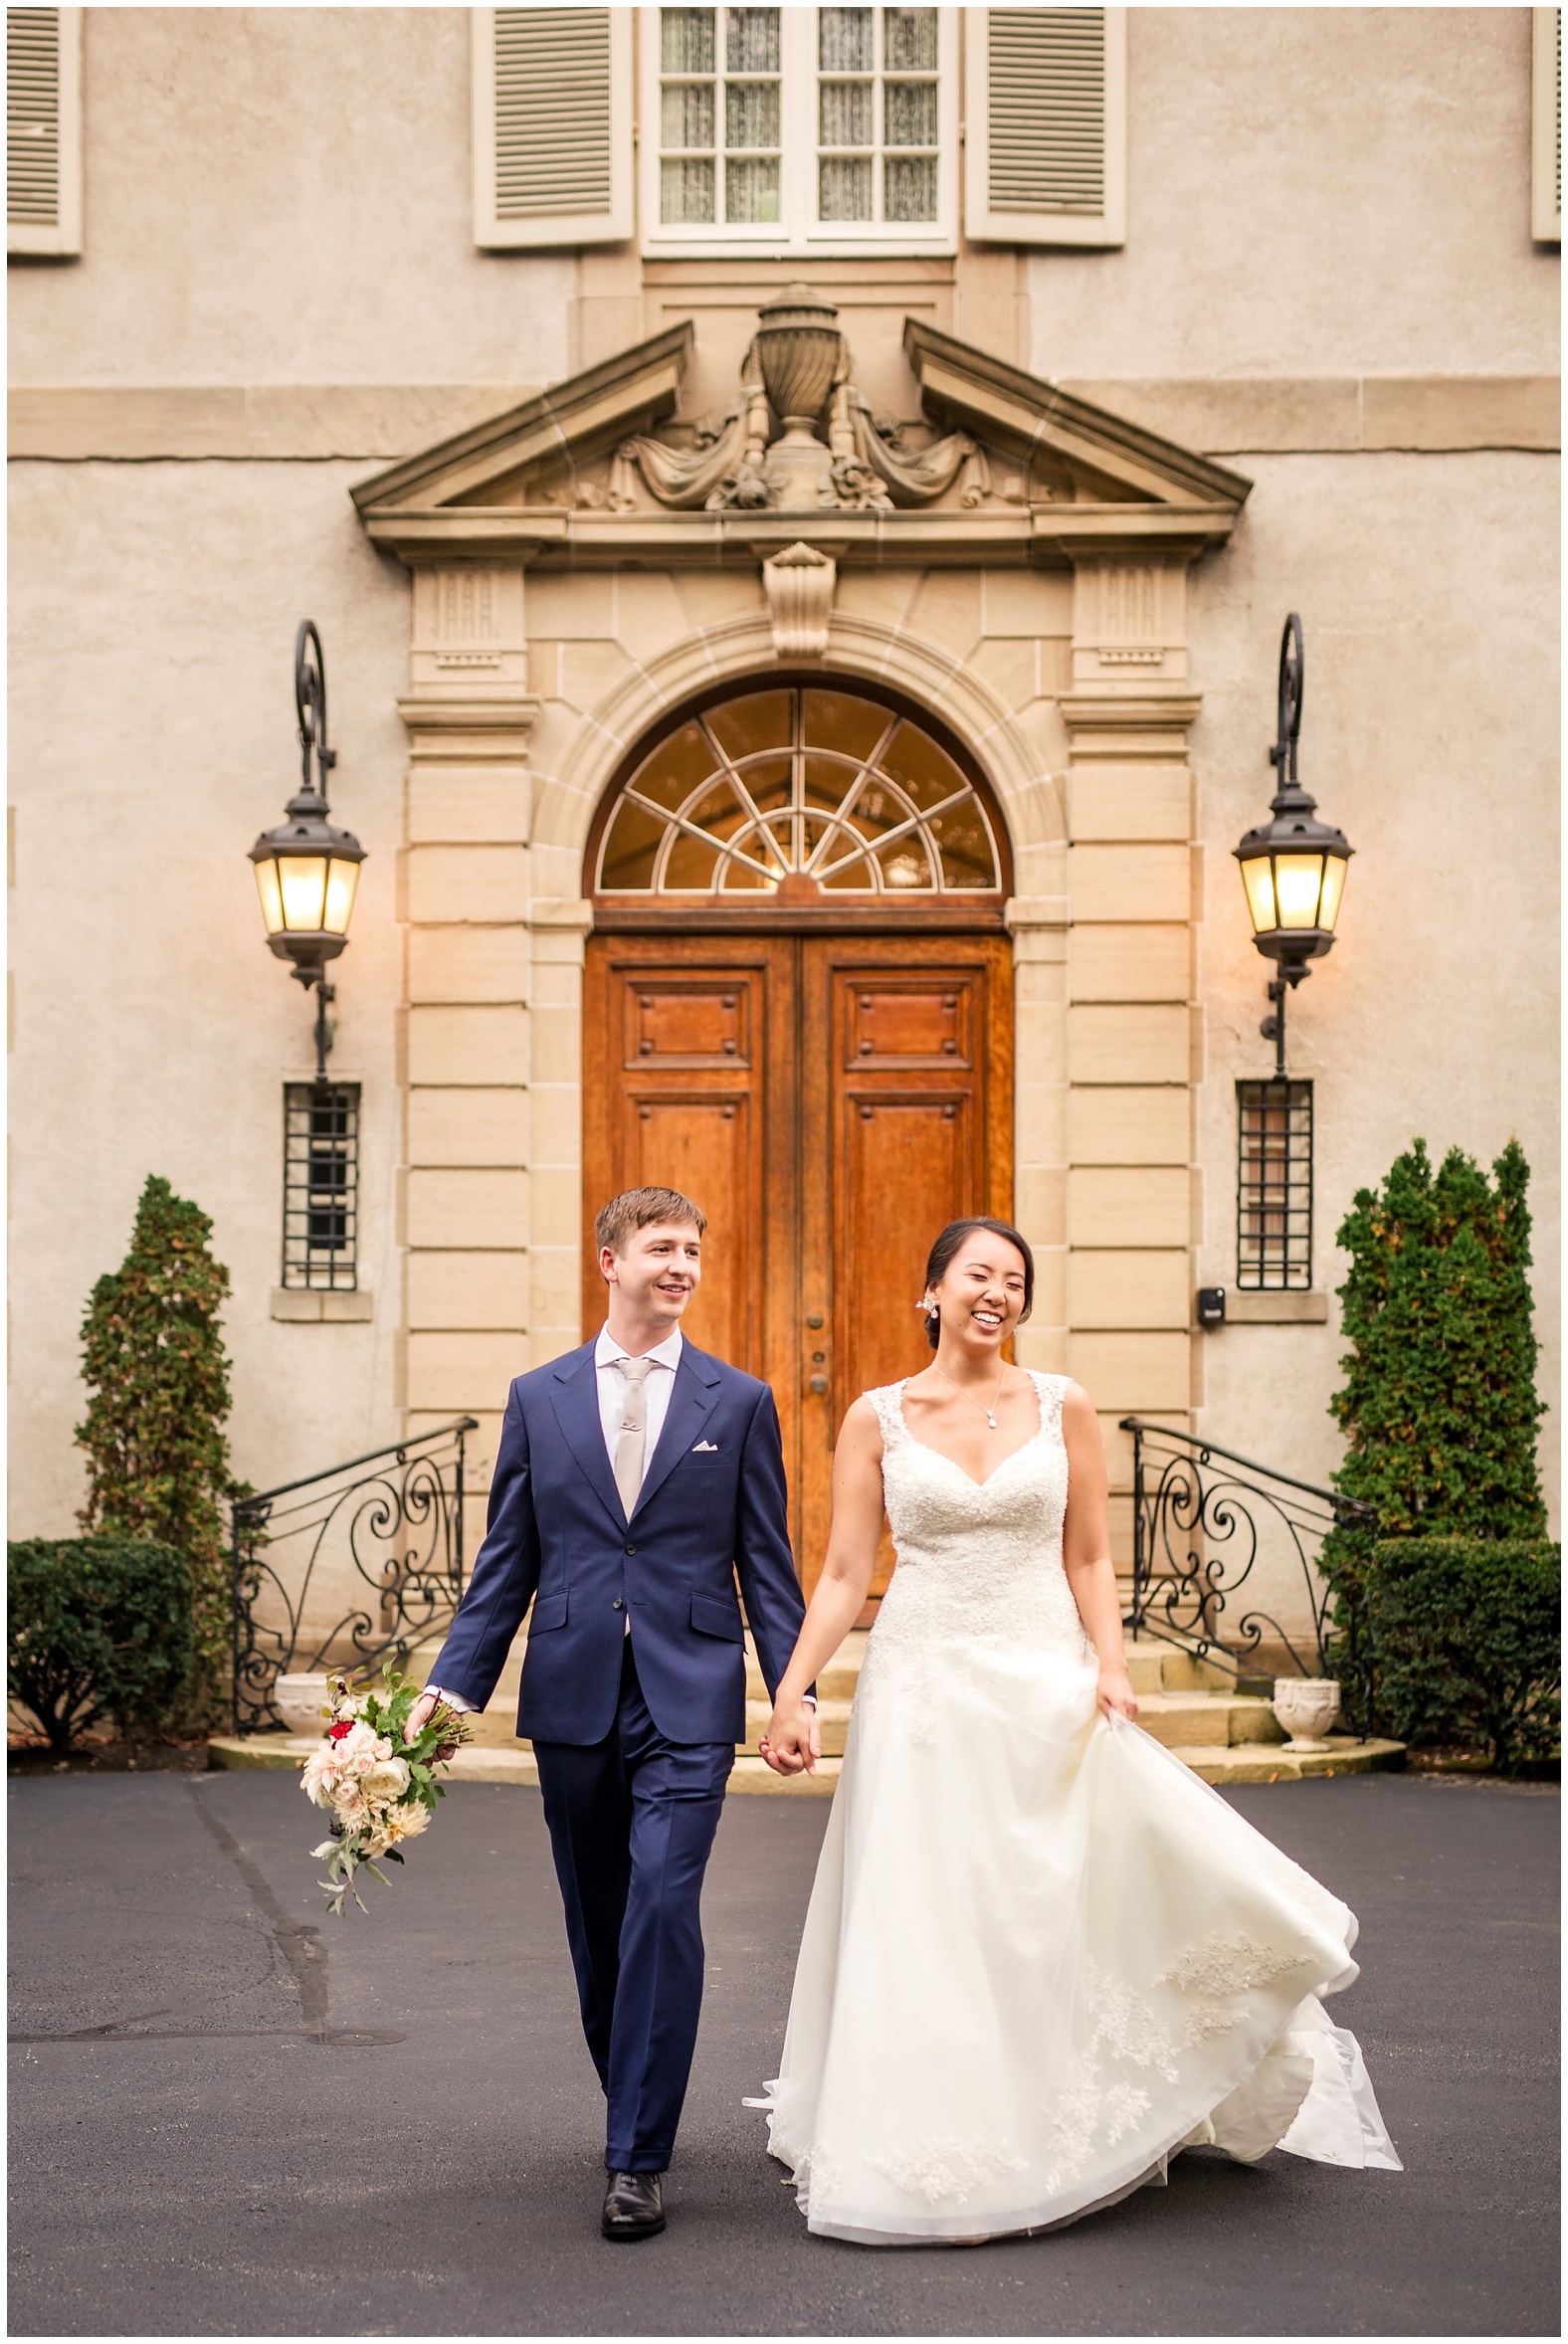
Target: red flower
[(335, 1733)]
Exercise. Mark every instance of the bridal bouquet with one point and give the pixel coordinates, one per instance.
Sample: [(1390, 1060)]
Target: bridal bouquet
[(378, 1789)]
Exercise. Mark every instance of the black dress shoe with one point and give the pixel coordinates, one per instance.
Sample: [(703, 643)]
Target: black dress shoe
[(634, 2206)]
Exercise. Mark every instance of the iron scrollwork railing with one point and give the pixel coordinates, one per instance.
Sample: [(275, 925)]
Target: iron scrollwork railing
[(348, 1568), (1205, 1520)]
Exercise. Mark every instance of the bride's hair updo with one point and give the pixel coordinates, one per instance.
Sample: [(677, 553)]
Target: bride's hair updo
[(941, 1259)]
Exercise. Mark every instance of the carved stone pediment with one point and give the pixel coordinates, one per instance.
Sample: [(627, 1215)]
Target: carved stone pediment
[(997, 465)]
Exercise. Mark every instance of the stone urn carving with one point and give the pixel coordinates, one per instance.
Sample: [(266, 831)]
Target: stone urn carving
[(799, 349), (299, 1701), (1306, 1707), (801, 355)]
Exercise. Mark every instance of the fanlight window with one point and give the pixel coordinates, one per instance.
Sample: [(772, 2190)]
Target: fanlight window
[(839, 790)]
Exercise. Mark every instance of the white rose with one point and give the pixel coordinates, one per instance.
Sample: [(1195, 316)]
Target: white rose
[(386, 1780)]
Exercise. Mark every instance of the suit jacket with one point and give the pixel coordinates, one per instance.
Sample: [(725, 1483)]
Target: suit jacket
[(557, 1537)]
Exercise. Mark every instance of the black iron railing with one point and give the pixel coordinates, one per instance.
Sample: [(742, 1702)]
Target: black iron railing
[(1207, 1527), (347, 1568)]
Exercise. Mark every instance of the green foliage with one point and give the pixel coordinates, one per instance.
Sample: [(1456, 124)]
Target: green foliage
[(1438, 1404), (158, 1375), (1440, 1414), (99, 1629), (1466, 1634)]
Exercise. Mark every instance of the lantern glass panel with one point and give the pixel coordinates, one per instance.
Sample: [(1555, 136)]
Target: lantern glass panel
[(341, 881), (1334, 869), (1257, 879), (1298, 885), (271, 899), (304, 888)]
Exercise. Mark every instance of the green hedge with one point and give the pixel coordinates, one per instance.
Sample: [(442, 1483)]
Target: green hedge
[(100, 1631), (1466, 1637)]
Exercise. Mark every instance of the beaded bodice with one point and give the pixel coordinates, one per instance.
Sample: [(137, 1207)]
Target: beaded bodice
[(978, 1561)]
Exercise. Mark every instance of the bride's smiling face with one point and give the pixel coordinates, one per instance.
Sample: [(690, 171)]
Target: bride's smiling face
[(980, 1296)]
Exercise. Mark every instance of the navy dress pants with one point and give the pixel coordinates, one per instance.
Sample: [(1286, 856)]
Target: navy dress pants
[(632, 1822)]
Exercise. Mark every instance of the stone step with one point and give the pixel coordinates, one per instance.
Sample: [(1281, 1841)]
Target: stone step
[(1215, 1763), (1253, 1763), (1206, 1719)]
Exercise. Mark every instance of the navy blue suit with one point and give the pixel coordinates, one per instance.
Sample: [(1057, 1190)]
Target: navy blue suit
[(634, 1735)]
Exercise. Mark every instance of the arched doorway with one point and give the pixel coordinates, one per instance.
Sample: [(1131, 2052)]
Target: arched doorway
[(798, 1009)]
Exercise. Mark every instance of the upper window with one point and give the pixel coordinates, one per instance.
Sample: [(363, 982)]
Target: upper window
[(804, 127), (811, 785)]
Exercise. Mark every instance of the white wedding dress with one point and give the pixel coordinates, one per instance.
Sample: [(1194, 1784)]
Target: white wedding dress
[(1041, 1955)]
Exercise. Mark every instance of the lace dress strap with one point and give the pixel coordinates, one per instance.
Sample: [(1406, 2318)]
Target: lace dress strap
[(1053, 1390), (886, 1399)]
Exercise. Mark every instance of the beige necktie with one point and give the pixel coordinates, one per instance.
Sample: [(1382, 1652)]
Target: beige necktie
[(634, 1432)]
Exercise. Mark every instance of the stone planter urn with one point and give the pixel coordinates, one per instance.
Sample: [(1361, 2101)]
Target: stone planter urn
[(299, 1701), (1306, 1707), (800, 352)]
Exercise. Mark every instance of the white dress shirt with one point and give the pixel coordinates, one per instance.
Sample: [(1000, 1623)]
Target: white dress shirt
[(663, 1361)]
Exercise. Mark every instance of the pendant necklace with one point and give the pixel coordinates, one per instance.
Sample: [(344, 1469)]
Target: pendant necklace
[(988, 1413)]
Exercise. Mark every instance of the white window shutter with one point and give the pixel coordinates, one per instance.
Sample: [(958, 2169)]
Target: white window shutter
[(1547, 141), (1046, 126), (552, 127), (43, 66)]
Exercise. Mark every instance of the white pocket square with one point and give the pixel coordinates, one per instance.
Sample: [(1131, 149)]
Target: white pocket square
[(711, 1448)]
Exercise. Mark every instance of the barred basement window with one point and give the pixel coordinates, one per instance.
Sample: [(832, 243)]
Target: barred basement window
[(321, 1185), (1273, 1185)]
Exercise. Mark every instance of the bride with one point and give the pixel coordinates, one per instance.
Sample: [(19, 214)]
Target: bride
[(1041, 1955)]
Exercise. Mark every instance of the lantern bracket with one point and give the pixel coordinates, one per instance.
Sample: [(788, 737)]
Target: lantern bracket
[(1292, 684), (310, 709)]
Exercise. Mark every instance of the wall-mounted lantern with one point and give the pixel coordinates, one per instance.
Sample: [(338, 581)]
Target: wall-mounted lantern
[(1293, 867), (306, 870)]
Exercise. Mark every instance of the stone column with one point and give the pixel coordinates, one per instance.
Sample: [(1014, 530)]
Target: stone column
[(465, 1055), (1132, 1028)]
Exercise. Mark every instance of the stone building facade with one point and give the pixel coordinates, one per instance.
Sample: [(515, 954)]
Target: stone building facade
[(357, 327)]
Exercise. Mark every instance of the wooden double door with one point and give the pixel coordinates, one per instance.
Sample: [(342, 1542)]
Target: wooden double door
[(829, 1102)]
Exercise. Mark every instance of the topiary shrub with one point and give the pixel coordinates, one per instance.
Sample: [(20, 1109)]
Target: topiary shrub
[(98, 1631), (1438, 1405), (154, 1360), (1466, 1634)]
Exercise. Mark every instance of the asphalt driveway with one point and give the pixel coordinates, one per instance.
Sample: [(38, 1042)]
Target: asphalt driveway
[(230, 2116)]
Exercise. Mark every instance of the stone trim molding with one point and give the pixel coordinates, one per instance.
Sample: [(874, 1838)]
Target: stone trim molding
[(743, 649), (302, 423), (311, 1305), (1273, 1308)]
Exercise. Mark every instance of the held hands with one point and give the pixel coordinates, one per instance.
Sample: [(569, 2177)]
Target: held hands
[(1115, 1695), (792, 1743)]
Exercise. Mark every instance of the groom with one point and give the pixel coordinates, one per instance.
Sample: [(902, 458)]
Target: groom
[(635, 1481)]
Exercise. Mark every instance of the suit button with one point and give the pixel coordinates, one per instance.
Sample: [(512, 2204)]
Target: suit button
[(631, 1550), (617, 1604)]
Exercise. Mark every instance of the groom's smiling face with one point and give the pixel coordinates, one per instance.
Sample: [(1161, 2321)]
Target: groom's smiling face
[(655, 1278)]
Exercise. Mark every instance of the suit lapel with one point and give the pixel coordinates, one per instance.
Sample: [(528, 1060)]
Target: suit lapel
[(576, 1400), (691, 1403)]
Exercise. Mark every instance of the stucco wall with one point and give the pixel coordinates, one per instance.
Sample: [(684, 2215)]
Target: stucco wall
[(153, 736), (308, 217), (1428, 590), (1315, 191)]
